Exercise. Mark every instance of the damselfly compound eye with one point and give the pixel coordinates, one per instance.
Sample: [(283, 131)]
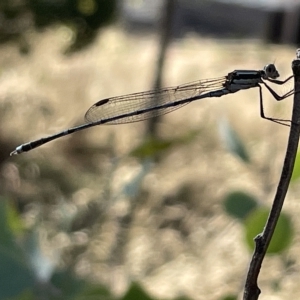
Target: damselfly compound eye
[(270, 68), (271, 71)]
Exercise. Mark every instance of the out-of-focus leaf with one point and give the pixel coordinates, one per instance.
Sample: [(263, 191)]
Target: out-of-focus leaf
[(153, 146), (14, 220), (40, 264), (239, 204), (296, 171), (136, 292), (132, 188), (95, 292), (15, 274), (232, 141), (68, 286), (26, 295), (283, 234), (230, 297), (6, 235), (87, 7), (9, 223), (183, 298)]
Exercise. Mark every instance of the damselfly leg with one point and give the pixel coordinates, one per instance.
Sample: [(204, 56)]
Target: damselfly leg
[(277, 97)]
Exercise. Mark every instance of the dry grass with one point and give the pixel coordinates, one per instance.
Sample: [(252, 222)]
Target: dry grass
[(177, 239)]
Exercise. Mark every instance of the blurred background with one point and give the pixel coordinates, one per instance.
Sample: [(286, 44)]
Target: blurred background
[(163, 209)]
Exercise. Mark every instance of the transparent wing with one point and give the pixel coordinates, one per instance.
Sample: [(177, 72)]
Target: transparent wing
[(141, 106)]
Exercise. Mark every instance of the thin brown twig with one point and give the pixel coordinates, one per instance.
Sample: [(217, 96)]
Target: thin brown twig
[(262, 240)]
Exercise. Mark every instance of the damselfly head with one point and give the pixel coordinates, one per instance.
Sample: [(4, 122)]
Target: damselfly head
[(271, 71)]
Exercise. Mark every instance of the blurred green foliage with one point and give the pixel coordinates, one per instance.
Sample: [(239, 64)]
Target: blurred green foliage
[(253, 216), (27, 274), (296, 171), (84, 17), (283, 234), (239, 204), (247, 209), (232, 141), (154, 146)]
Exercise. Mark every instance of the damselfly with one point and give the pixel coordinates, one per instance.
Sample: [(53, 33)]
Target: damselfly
[(141, 106)]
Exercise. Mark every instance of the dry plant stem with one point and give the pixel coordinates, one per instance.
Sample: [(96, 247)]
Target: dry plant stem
[(262, 240), (165, 28)]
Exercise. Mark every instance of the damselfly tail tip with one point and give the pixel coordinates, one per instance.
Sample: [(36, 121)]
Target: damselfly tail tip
[(17, 151)]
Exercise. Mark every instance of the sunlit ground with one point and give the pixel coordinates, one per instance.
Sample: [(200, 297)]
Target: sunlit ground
[(169, 232)]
